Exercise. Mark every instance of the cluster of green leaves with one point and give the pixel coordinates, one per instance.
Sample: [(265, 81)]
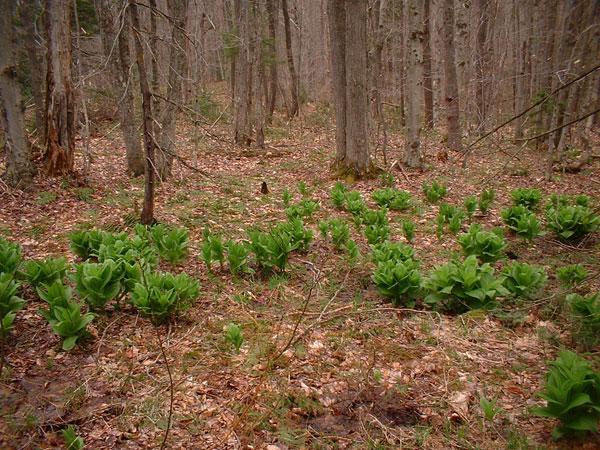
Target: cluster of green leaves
[(486, 198), (64, 314), (339, 231), (572, 274), (392, 198), (523, 280), (558, 200), (408, 228), (10, 303), (303, 209), (212, 249), (586, 314), (299, 234), (470, 204), (521, 221), (488, 246), (238, 257), (354, 203), (172, 243), (162, 295), (392, 251), (572, 393), (233, 335), (572, 222), (10, 257), (72, 440), (86, 243), (527, 197), (46, 271), (461, 286), (338, 195), (272, 249), (451, 215), (434, 191), (398, 280), (98, 283)]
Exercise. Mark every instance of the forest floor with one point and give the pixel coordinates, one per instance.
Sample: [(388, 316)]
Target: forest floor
[(358, 374)]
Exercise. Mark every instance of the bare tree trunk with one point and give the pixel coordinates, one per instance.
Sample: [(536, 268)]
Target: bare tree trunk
[(523, 75), (272, 10), (414, 82), (290, 59), (451, 94), (337, 35), (29, 14), (60, 103), (116, 49), (357, 144), (243, 74), (427, 78), (481, 65), (147, 217), (19, 172), (164, 161)]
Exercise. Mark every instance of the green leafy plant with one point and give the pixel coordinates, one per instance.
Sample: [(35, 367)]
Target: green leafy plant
[(486, 198), (98, 283), (377, 234), (86, 243), (572, 393), (386, 179), (10, 256), (340, 233), (527, 226), (301, 210), (572, 222), (434, 191), (70, 324), (461, 286), (272, 249), (586, 318), (300, 236), (162, 295), (489, 408), (233, 335), (46, 271), (408, 228), (72, 440), (352, 250), (10, 304), (376, 217), (488, 246), (55, 294), (302, 188), (286, 197), (398, 280), (392, 251), (212, 249), (338, 195), (392, 198), (527, 197), (172, 243), (523, 280), (354, 203), (238, 257), (572, 274), (470, 204), (452, 215)]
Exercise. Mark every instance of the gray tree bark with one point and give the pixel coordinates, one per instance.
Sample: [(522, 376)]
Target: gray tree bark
[(451, 82)]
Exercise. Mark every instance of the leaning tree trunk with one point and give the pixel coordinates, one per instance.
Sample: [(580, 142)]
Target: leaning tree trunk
[(451, 94), (116, 49), (337, 35), (290, 59), (164, 161), (18, 165), (60, 102), (414, 83)]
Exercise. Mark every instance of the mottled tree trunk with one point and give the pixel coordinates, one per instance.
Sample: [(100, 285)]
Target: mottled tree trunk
[(166, 140), (30, 11), (414, 82), (290, 59), (147, 217), (481, 65), (451, 84), (427, 78), (243, 72), (116, 49), (60, 103), (18, 165), (272, 11)]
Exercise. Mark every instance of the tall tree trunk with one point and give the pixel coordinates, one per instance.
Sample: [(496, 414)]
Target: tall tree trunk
[(481, 65), (164, 161), (414, 82), (427, 78), (60, 103), (357, 144), (337, 36), (243, 73), (147, 217), (116, 49), (290, 59), (18, 165), (30, 11), (272, 12), (523, 75), (451, 84)]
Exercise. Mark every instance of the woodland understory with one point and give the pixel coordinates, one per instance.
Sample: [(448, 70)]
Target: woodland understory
[(356, 371)]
